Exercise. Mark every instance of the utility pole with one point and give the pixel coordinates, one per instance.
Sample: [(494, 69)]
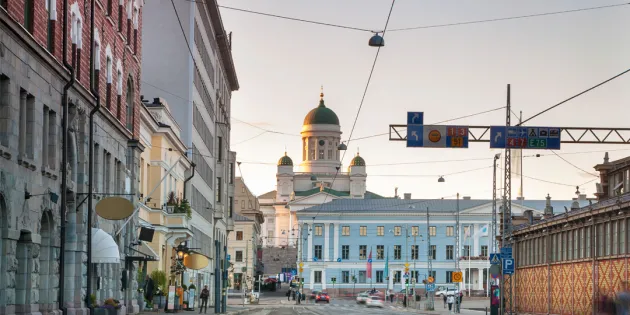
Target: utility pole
[(430, 305), (457, 249), (246, 271), (494, 203), (300, 264)]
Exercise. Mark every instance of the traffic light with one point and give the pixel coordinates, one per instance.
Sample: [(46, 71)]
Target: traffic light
[(407, 282)]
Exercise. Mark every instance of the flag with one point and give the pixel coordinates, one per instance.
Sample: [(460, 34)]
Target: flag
[(483, 231), (466, 232), (386, 272), (369, 265)]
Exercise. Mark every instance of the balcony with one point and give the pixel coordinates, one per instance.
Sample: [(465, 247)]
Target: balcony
[(165, 216), (473, 258)]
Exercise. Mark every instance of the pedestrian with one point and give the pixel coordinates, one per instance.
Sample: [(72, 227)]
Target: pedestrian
[(459, 301), (623, 300), (149, 288), (289, 295), (449, 301), (444, 297), (391, 295), (205, 293), (405, 301)]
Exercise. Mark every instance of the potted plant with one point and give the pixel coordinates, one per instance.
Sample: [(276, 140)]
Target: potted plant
[(184, 207), (110, 307), (171, 202), (159, 281)]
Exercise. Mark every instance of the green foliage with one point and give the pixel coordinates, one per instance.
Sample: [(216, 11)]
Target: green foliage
[(191, 287), (184, 207), (184, 287), (159, 280), (93, 300)]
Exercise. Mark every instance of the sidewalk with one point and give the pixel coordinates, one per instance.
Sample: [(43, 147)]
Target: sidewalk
[(231, 310)]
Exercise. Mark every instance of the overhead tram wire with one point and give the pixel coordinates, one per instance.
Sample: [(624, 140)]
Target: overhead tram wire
[(508, 18), (575, 166), (367, 85), (574, 96), (423, 26)]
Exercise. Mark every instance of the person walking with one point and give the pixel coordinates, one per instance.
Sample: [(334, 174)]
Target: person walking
[(149, 288), (444, 298), (205, 293), (450, 300), (390, 293), (289, 295), (623, 300)]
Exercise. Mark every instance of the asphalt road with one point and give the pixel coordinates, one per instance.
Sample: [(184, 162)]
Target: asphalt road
[(323, 309)]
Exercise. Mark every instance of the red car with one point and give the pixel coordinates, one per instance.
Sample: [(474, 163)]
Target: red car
[(323, 297)]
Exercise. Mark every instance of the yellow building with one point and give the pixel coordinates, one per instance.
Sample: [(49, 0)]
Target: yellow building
[(163, 210), (244, 242)]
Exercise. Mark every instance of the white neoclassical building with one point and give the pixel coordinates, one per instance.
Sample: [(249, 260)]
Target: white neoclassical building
[(319, 178)]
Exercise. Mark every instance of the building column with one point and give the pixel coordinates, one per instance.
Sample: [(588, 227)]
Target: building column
[(336, 241), (390, 282), (326, 242), (475, 250), (480, 278), (324, 279), (310, 245), (311, 281)]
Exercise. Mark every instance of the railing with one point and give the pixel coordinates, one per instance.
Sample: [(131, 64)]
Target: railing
[(473, 258)]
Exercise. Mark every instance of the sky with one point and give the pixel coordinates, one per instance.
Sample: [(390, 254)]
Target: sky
[(445, 72)]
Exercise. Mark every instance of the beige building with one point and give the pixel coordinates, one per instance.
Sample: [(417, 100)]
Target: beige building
[(244, 243)]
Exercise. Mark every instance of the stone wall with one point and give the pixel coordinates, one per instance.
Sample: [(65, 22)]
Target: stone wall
[(276, 258)]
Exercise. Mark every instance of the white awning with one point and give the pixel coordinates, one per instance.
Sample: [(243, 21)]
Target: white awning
[(146, 250), (104, 248)]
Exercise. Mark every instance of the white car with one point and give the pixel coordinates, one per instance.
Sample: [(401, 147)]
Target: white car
[(447, 292), (374, 301), (362, 298)]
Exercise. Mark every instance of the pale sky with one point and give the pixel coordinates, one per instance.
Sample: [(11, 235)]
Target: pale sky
[(445, 72)]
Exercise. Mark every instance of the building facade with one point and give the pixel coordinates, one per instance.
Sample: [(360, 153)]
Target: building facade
[(338, 242), (202, 78), (49, 74), (582, 254), (244, 243)]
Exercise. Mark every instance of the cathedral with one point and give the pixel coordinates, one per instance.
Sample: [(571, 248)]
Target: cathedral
[(319, 178)]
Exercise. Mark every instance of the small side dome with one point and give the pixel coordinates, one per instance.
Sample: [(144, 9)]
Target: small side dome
[(285, 160), (357, 161)]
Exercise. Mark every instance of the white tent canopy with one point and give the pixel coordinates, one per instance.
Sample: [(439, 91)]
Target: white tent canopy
[(104, 248)]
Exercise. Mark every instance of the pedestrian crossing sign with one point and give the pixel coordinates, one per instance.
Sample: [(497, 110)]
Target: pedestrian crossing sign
[(495, 259)]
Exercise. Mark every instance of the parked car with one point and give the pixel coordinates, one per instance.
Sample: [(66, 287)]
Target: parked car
[(446, 291), (374, 301), (322, 297), (314, 294), (362, 297)]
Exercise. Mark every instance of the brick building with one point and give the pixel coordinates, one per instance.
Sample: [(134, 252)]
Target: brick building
[(566, 262), (42, 270)]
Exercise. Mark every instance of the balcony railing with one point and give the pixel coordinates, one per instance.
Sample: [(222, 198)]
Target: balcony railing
[(474, 258)]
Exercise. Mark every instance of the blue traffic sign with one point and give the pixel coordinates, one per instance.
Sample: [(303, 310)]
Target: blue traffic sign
[(437, 136), (338, 259), (495, 259), (431, 287), (506, 252), (314, 258), (521, 137), (415, 118), (508, 266), (370, 260), (294, 272), (405, 276), (228, 257)]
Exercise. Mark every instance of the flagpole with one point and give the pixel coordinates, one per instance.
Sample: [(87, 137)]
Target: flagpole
[(370, 266)]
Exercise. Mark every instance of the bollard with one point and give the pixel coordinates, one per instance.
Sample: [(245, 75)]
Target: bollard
[(486, 310)]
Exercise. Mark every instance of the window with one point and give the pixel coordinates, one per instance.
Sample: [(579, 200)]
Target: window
[(312, 156), (433, 252), (51, 6), (415, 275), (415, 230), (615, 237), (379, 276), (5, 98), (108, 92), (484, 250), (380, 230), (363, 231), (242, 204), (345, 230), (466, 252), (622, 237), (362, 276), (27, 124), (231, 173), (239, 235), (29, 12), (432, 231), (230, 206), (449, 231), (45, 138), (239, 255), (130, 105), (363, 252), (345, 252), (318, 276), (3, 3), (449, 252), (270, 235), (345, 276), (414, 252), (397, 275), (220, 148), (449, 277), (321, 155), (380, 252), (318, 230), (330, 154), (219, 191), (397, 252), (397, 230), (317, 251)]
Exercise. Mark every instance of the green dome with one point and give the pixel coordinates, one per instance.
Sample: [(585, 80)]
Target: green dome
[(285, 161), (321, 115), (357, 161)]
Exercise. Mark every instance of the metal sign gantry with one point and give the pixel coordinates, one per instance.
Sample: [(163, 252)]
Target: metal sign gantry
[(508, 137)]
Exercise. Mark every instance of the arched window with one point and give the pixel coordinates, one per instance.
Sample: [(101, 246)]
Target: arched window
[(130, 105)]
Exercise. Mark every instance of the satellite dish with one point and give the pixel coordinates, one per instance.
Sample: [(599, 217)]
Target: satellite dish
[(196, 261), (114, 208)]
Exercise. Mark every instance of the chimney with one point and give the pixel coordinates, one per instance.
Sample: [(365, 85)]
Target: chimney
[(466, 198), (396, 192), (575, 205), (529, 214), (548, 208), (407, 196)]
